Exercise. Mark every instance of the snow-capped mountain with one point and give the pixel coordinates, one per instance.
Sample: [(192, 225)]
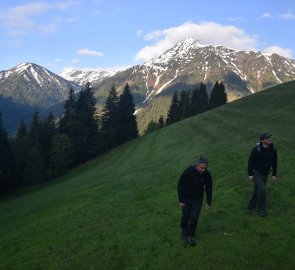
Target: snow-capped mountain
[(189, 62), (82, 76), (35, 86)]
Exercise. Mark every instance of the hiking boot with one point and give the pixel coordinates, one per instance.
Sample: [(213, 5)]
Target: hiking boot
[(190, 241), (262, 214)]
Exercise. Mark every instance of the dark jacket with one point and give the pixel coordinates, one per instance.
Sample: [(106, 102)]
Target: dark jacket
[(192, 184), (262, 160)]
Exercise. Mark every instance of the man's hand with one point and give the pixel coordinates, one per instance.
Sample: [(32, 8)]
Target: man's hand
[(208, 206), (181, 204), (274, 179), (250, 178)]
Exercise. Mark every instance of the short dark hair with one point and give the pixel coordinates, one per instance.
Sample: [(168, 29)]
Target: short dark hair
[(202, 159)]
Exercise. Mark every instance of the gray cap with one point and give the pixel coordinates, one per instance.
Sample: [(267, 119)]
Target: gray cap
[(264, 135)]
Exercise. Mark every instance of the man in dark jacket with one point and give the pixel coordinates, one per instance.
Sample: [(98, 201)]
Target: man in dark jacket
[(192, 183), (263, 157)]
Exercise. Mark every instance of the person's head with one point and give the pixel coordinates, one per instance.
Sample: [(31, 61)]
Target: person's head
[(265, 139), (202, 164)]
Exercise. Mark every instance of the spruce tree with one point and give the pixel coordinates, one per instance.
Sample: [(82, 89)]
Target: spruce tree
[(109, 131), (48, 130), (195, 101), (6, 161), (68, 119), (127, 122), (20, 148), (199, 100), (161, 122), (184, 104), (152, 126), (35, 130), (218, 95), (61, 156), (85, 137), (22, 130), (173, 112)]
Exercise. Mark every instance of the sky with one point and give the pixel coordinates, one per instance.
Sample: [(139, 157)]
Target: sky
[(116, 34)]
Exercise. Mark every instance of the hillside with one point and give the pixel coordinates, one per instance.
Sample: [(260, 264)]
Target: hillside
[(120, 211)]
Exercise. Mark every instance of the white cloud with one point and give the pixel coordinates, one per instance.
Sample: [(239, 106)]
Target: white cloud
[(22, 19), (86, 51), (281, 51), (287, 16), (205, 32), (266, 15)]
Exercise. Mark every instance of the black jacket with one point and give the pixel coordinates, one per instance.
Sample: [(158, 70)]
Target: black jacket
[(262, 160), (192, 184)]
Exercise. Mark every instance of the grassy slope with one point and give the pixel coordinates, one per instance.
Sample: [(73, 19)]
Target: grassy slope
[(120, 211)]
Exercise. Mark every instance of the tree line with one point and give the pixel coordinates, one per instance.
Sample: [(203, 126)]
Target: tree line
[(47, 148), (190, 103)]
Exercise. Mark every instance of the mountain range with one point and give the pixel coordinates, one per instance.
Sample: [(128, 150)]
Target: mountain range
[(153, 83)]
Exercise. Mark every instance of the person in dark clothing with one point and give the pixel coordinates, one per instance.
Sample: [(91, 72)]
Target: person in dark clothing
[(192, 183), (262, 159)]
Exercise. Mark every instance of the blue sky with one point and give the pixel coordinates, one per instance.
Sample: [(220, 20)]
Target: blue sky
[(109, 34)]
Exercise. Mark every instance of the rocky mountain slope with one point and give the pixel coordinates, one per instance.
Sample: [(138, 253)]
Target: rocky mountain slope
[(190, 62), (32, 85)]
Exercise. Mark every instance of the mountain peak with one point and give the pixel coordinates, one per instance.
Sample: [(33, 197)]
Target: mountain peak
[(183, 51), (190, 42)]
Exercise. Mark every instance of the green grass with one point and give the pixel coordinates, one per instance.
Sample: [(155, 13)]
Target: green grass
[(120, 211)]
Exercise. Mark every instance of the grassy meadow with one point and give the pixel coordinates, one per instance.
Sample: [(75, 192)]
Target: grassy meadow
[(120, 211)]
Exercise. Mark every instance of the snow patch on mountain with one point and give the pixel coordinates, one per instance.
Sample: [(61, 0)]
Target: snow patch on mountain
[(165, 84), (82, 76)]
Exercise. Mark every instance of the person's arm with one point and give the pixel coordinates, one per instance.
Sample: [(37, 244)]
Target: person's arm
[(275, 163), (251, 161), (274, 166), (208, 188), (180, 189)]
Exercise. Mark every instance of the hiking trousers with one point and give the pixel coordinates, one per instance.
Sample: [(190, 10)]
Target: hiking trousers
[(190, 216), (259, 193)]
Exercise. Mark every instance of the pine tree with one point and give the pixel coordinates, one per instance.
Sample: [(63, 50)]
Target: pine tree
[(20, 148), (152, 126), (161, 122), (218, 95), (195, 101), (34, 171), (68, 119), (6, 161), (184, 104), (48, 130), (128, 125), (35, 130), (61, 156), (199, 100), (173, 112), (85, 137), (109, 132), (22, 130)]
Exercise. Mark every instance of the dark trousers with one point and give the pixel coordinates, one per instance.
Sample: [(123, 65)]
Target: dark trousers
[(259, 193), (190, 216)]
